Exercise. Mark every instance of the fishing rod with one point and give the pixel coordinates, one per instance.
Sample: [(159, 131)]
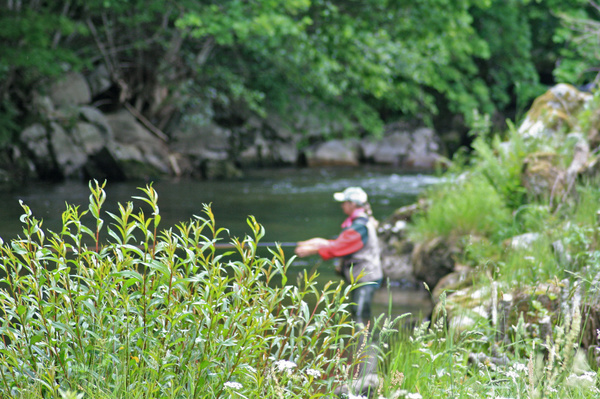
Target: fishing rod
[(260, 244)]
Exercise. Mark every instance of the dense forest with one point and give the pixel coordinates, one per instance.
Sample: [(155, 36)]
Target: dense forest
[(364, 63)]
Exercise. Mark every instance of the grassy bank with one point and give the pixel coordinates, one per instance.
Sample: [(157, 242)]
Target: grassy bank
[(524, 323)]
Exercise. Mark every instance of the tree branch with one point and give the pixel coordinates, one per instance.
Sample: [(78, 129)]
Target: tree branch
[(146, 122)]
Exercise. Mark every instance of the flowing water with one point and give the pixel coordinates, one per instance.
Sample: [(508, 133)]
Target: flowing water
[(291, 204)]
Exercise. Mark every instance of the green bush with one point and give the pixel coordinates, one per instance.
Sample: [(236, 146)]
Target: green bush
[(149, 314)]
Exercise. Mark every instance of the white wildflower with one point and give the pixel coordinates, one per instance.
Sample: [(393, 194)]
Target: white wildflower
[(512, 374), (520, 367), (350, 396), (313, 373), (284, 365), (414, 396), (233, 385)]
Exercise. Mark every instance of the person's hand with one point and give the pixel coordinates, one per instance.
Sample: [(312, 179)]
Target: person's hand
[(310, 247)]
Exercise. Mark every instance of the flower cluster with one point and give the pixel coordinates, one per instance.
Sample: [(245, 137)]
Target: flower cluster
[(284, 365), (233, 385)]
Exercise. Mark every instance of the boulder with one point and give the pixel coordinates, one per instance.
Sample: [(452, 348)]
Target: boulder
[(333, 153), (204, 142), (99, 80), (391, 150), (460, 278), (410, 149), (70, 89), (36, 144), (396, 252), (433, 259), (139, 152), (69, 156), (553, 111)]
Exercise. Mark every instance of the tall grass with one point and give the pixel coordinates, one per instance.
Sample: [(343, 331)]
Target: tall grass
[(433, 361), (471, 206), (162, 314)]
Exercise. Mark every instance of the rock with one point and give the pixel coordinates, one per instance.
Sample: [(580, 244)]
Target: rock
[(71, 89), (96, 118), (407, 212), (99, 80), (36, 143), (285, 153), (524, 241), (398, 268), (541, 177), (553, 111), (392, 149), (416, 149), (89, 137), (207, 148), (433, 259), (333, 153), (219, 169), (465, 308), (35, 138), (139, 152), (424, 151), (460, 278), (69, 157)]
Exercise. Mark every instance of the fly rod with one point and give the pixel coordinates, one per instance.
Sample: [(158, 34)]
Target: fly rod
[(260, 244)]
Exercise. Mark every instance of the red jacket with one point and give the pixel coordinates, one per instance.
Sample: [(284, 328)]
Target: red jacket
[(351, 240)]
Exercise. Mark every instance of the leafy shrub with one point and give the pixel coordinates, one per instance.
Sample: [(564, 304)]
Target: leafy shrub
[(172, 317), (501, 162)]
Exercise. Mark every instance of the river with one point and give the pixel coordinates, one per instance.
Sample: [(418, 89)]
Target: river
[(292, 204)]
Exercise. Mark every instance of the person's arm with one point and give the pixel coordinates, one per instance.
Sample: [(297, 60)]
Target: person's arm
[(349, 241), (310, 247)]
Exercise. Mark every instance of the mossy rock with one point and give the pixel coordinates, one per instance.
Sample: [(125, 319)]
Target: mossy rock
[(541, 176), (555, 110)]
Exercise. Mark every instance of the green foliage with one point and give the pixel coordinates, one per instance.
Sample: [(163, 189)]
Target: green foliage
[(464, 206), (510, 70), (529, 264), (578, 34), (367, 58), (432, 361), (161, 314), (501, 162), (436, 361)]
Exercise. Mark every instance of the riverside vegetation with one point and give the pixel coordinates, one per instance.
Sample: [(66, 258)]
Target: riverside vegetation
[(170, 318), (545, 349), (145, 313)]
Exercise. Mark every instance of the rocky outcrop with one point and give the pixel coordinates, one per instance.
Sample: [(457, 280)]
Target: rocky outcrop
[(409, 149), (416, 149), (70, 138)]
